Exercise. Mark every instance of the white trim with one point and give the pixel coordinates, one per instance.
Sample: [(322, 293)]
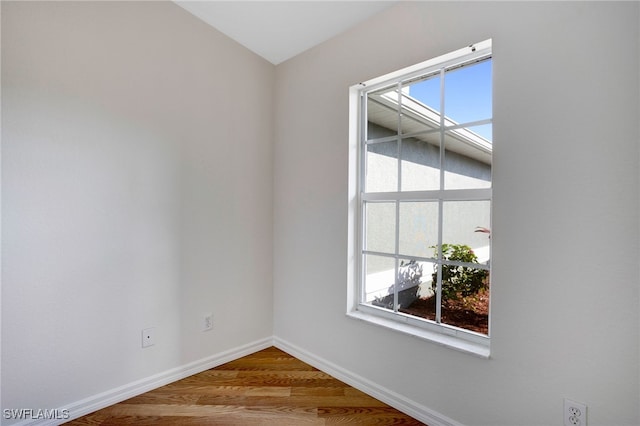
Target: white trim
[(113, 396), (441, 334), (395, 400), (105, 399), (477, 194), (476, 51), (353, 222)]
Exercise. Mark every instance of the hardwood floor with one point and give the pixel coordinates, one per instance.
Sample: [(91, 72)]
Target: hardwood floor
[(269, 387)]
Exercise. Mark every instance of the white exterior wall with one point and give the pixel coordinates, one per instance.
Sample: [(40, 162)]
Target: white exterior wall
[(134, 195), (565, 219)]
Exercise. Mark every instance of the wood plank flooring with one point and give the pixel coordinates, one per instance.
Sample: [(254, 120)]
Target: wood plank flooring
[(269, 387)]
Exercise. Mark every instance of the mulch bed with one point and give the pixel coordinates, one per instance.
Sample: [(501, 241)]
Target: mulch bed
[(470, 313)]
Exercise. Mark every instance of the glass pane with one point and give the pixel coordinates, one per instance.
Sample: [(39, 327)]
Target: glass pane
[(381, 227), (382, 113), (379, 278), (413, 284), (421, 163), (382, 167), (420, 104), (416, 294), (467, 223), (465, 290), (467, 93), (465, 298), (412, 276), (467, 159), (418, 228)]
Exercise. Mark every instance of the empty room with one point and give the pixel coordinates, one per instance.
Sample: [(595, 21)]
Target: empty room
[(185, 184)]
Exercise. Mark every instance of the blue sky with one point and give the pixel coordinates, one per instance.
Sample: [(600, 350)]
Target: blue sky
[(467, 95)]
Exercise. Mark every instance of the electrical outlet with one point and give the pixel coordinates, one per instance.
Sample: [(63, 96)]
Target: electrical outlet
[(575, 413), (207, 323), (148, 337)]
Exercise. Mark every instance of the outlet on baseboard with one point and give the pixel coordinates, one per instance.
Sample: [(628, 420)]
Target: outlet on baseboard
[(148, 337), (207, 322)]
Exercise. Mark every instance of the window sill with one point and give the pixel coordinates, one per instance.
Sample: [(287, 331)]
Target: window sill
[(450, 341)]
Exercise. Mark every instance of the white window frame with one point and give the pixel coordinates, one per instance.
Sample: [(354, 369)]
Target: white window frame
[(454, 337)]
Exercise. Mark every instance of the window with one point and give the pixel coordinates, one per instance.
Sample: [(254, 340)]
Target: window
[(423, 198)]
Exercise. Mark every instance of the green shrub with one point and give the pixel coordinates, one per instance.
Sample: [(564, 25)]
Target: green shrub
[(457, 280)]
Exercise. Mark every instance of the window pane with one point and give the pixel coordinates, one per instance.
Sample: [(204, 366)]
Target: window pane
[(422, 308), (382, 113), (465, 289), (421, 163), (420, 104), (382, 167), (465, 298), (414, 281), (418, 228), (379, 277), (467, 93), (467, 159), (468, 223), (420, 303), (381, 227)]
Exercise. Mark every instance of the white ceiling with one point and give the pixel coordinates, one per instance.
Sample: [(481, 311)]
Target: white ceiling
[(279, 30)]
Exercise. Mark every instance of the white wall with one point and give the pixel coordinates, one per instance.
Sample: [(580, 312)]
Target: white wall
[(136, 192), (564, 305)]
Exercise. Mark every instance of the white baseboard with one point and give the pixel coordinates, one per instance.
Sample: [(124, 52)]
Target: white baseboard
[(397, 401), (113, 396), (119, 394)]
